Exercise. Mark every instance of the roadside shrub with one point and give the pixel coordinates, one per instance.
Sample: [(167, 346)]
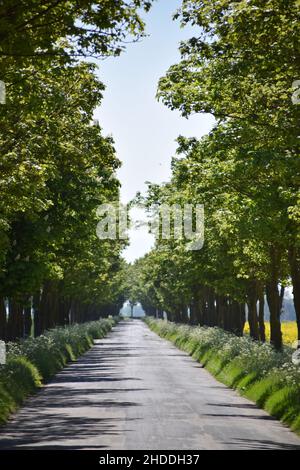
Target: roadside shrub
[(51, 351), (21, 378), (35, 360), (7, 404), (18, 378), (255, 369)]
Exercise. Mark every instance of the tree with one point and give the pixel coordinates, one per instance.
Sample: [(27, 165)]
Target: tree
[(56, 169), (68, 28), (56, 166), (241, 69)]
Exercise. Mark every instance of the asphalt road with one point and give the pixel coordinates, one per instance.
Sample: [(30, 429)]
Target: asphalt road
[(134, 390)]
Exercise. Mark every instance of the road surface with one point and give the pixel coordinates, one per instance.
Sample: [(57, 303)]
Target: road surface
[(134, 390)]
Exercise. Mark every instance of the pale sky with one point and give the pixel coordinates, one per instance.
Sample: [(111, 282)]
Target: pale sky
[(143, 129)]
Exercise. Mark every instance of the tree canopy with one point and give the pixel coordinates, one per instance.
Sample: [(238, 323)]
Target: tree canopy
[(57, 167), (241, 68)]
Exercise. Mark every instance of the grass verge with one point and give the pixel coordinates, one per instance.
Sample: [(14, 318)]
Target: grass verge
[(256, 370), (33, 361)]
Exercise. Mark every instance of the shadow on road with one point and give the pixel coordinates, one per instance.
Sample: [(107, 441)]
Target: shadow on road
[(54, 428), (252, 444), (68, 408)]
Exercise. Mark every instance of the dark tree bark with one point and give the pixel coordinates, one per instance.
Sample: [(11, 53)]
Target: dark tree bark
[(212, 311), (294, 262), (193, 313), (204, 307), (274, 306), (72, 311), (64, 306), (160, 314), (49, 307), (252, 295), (149, 310), (27, 319), (176, 314), (261, 317), (221, 311), (281, 298), (36, 302), (194, 306), (237, 318), (274, 301), (228, 320), (15, 326), (184, 314), (243, 316), (3, 319)]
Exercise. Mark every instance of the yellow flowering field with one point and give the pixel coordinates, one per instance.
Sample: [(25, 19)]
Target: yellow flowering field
[(289, 330)]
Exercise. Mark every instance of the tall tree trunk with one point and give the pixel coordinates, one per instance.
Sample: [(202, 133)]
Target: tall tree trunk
[(294, 262), (176, 315), (273, 298), (27, 318), (204, 306), (221, 309), (44, 307), (228, 323), (281, 299), (49, 305), (2, 319), (243, 316), (274, 307), (73, 311), (160, 314), (64, 306), (15, 320), (261, 316), (36, 303), (212, 312), (252, 310), (184, 314), (193, 313), (195, 318), (237, 318), (169, 316)]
